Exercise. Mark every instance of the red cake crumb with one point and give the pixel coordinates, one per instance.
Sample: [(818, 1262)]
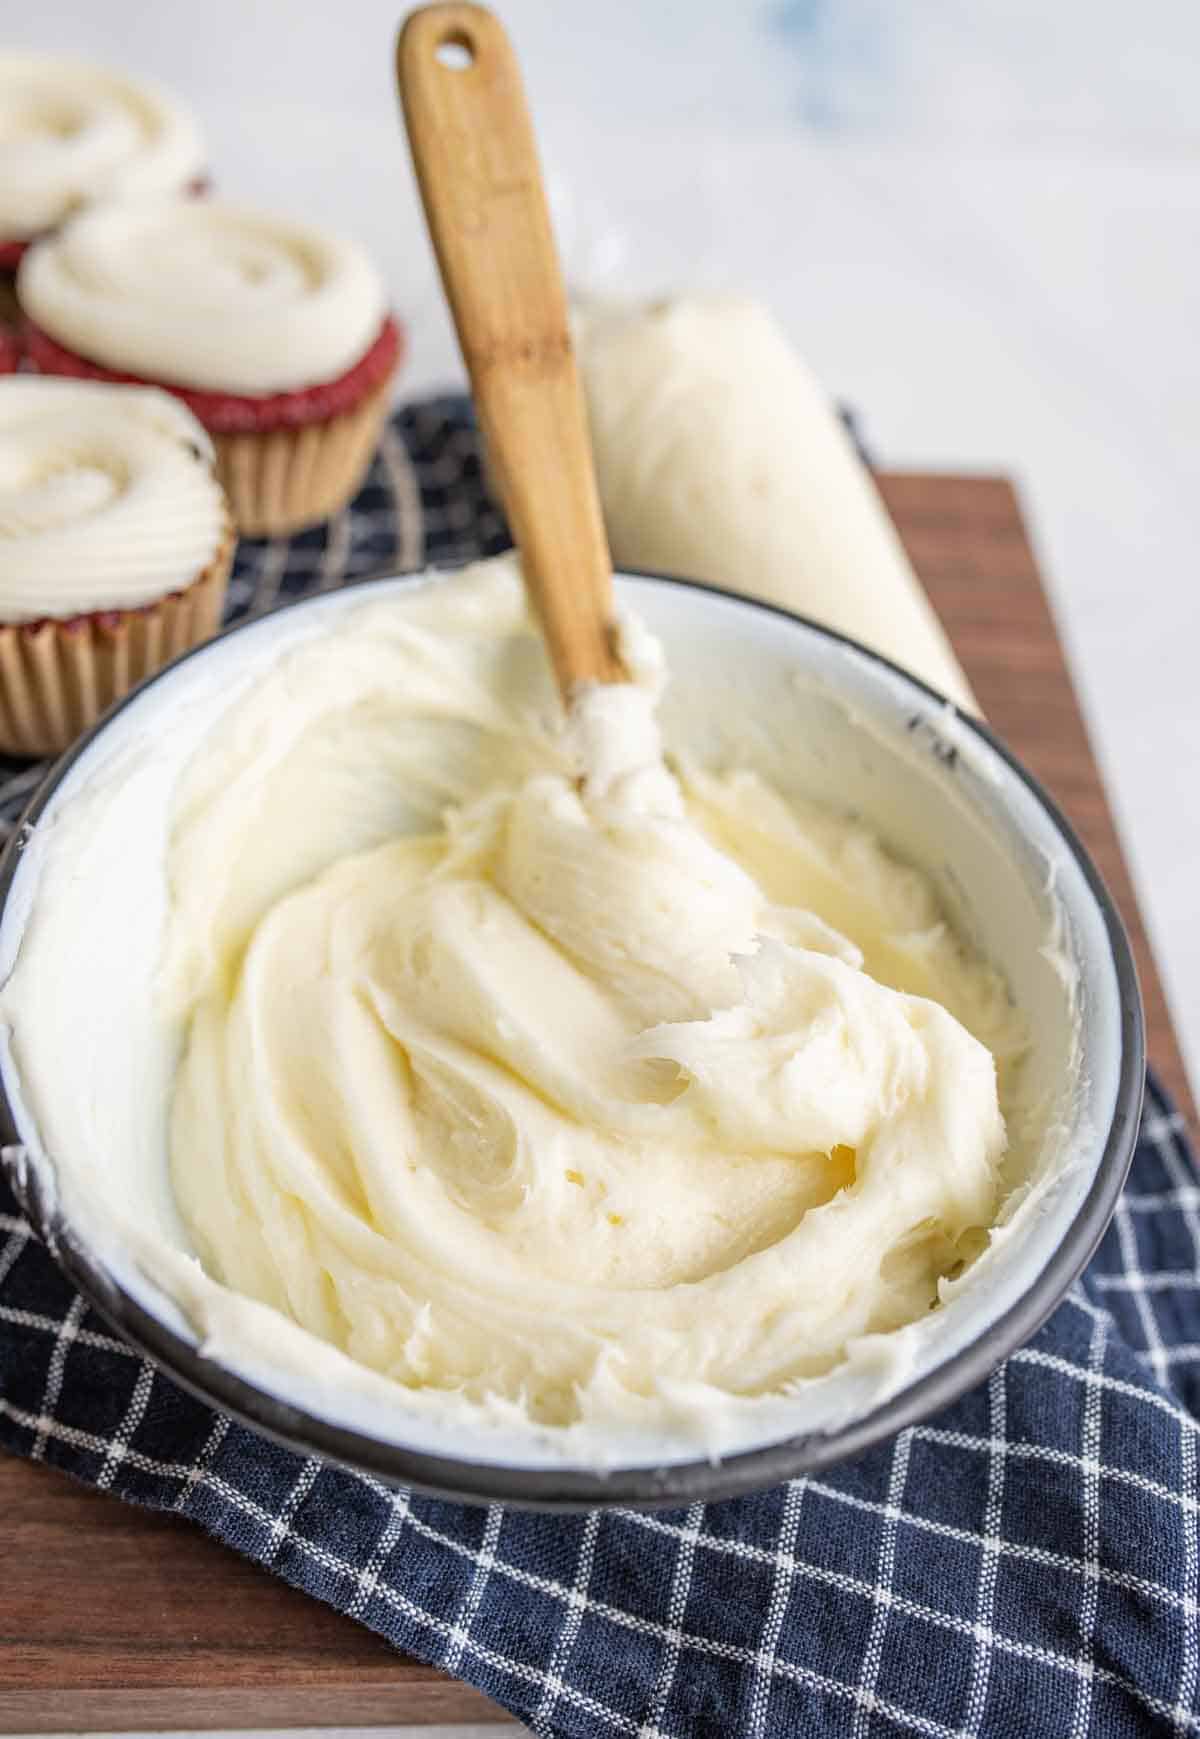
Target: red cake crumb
[(10, 350), (232, 413)]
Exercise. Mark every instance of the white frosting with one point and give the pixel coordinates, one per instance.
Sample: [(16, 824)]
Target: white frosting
[(71, 133), (195, 292), (567, 1102), (107, 497), (328, 738), (720, 457)]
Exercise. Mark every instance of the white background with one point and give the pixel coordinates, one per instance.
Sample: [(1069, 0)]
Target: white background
[(980, 223)]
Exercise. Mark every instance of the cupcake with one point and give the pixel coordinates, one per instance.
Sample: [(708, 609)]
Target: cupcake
[(74, 133), (115, 549), (276, 335)]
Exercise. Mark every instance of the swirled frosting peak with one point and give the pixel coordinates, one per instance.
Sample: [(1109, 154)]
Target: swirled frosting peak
[(549, 1082), (107, 498), (198, 293), (71, 133)]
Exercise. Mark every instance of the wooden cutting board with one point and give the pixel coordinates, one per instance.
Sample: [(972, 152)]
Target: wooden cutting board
[(115, 1618)]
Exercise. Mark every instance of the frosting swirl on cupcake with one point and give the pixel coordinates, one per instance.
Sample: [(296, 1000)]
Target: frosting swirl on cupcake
[(71, 133), (198, 293), (107, 498)]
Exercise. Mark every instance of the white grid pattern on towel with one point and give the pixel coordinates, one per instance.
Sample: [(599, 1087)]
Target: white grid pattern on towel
[(676, 1638), (124, 1434), (681, 1587), (989, 1562), (367, 1580), (577, 1599), (783, 1580), (1163, 1133), (882, 1596), (1089, 1599), (485, 1560), (16, 1236), (692, 1537), (64, 1333), (281, 1529)]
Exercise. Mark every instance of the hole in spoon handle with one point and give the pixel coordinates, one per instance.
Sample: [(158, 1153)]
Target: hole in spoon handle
[(455, 51)]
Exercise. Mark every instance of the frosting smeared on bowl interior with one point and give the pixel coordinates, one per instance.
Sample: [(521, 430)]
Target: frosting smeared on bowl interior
[(545, 1079)]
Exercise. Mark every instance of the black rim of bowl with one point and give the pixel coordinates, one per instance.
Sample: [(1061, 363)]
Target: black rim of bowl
[(678, 1484)]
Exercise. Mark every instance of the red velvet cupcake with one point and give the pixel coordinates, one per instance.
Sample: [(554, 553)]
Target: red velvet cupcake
[(275, 335), (76, 133), (115, 551)]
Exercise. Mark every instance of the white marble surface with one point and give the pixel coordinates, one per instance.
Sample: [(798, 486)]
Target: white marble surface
[(981, 225)]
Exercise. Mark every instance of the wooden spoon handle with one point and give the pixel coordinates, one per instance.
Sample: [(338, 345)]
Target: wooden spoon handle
[(476, 161)]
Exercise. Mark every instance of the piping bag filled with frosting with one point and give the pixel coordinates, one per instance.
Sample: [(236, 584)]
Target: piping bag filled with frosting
[(720, 458)]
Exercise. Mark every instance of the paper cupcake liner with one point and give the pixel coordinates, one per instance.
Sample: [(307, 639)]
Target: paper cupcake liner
[(56, 678), (281, 480)]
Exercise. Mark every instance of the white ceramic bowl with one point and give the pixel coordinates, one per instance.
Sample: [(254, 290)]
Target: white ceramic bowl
[(833, 722)]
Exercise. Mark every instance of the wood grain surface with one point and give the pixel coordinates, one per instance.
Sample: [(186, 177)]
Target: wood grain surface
[(116, 1618)]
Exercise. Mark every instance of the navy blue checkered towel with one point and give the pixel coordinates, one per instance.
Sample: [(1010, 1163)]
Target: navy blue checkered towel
[(1026, 1564)]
